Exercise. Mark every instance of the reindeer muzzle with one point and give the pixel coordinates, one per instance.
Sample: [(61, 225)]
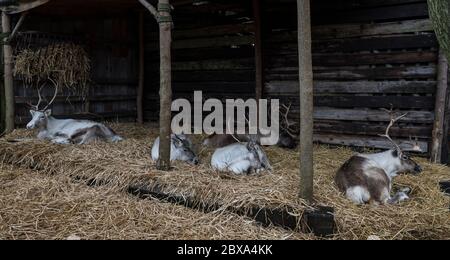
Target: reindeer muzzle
[(418, 169)]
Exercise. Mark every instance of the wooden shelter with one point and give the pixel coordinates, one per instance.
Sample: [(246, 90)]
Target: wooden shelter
[(366, 55)]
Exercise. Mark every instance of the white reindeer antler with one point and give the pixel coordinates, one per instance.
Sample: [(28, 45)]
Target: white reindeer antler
[(391, 124), (36, 107)]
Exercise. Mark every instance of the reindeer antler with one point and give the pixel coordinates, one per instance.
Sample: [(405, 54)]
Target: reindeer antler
[(287, 126), (415, 145), (231, 132), (54, 95), (391, 124), (36, 107)]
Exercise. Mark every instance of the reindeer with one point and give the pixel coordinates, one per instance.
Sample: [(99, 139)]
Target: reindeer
[(367, 178), (287, 137), (181, 149), (241, 157), (68, 131)]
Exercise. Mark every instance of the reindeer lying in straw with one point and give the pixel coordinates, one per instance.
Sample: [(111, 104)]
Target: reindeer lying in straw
[(367, 178), (287, 136), (241, 157), (68, 131)]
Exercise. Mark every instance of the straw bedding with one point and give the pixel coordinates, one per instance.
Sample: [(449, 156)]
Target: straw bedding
[(426, 216), (36, 206)]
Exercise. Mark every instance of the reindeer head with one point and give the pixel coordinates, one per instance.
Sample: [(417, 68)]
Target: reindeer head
[(401, 160), (261, 160), (39, 117), (185, 150)]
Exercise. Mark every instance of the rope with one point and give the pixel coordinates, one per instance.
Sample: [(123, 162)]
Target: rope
[(165, 8)]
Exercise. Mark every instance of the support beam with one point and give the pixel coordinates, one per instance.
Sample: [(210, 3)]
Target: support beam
[(140, 91), (259, 79), (8, 74), (165, 92), (306, 100), (446, 138), (441, 94), (164, 18)]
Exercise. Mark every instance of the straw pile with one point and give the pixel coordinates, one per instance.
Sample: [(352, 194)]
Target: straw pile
[(426, 216), (65, 64), (35, 206)]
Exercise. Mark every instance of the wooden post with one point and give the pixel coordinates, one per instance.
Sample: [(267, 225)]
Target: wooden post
[(445, 151), (306, 100), (8, 74), (140, 91), (441, 94), (164, 18), (165, 92), (258, 50)]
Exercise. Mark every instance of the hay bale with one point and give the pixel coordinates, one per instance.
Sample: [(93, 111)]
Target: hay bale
[(36, 206), (426, 216), (66, 65)]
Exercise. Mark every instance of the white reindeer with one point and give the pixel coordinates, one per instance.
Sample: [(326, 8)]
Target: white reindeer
[(241, 158), (367, 178), (67, 131), (181, 149)]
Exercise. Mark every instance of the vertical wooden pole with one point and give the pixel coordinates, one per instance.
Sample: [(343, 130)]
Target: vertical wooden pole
[(306, 100), (445, 151), (8, 74), (441, 94), (165, 34), (258, 50), (140, 91)]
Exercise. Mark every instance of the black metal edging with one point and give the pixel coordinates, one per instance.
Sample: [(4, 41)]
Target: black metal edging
[(320, 221)]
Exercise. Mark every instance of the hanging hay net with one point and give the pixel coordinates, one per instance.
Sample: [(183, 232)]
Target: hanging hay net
[(439, 13), (64, 64)]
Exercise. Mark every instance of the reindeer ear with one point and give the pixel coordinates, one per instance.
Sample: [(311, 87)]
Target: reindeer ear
[(48, 112), (32, 112)]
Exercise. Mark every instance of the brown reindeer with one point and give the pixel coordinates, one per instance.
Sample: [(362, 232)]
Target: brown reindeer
[(367, 178), (287, 137)]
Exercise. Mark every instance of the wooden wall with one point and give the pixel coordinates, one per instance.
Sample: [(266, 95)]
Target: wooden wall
[(367, 55), (212, 52), (112, 46)]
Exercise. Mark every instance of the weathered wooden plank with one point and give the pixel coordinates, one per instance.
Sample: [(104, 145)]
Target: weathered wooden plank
[(277, 46), (205, 76), (379, 13), (418, 117), (371, 128), (354, 87), (395, 42), (399, 102), (210, 31), (347, 73), (323, 14), (76, 99), (357, 30), (204, 54), (356, 59), (365, 141), (207, 42), (234, 64)]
